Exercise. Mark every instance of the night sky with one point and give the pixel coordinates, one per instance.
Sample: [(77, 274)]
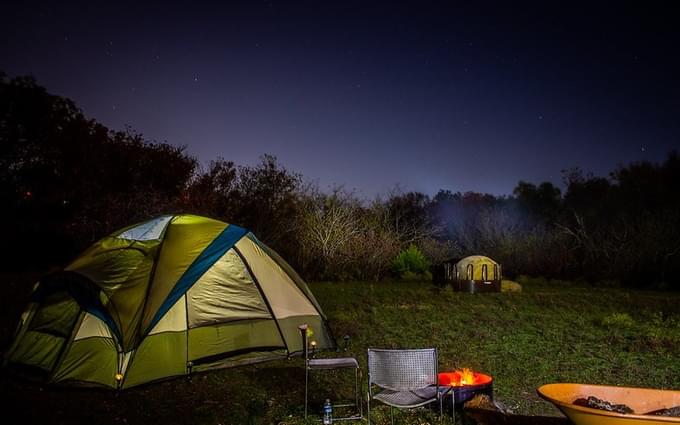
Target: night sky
[(425, 95)]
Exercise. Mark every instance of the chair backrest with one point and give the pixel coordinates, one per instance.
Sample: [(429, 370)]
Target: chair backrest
[(402, 370)]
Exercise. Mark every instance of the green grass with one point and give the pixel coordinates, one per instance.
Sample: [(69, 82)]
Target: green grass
[(551, 332)]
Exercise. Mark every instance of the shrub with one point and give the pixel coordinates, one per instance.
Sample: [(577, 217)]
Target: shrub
[(416, 277), (662, 327), (409, 276), (618, 320), (410, 260)]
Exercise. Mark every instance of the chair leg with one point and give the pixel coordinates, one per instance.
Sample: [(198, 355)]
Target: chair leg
[(392, 415), (368, 408), (356, 391), (306, 383)]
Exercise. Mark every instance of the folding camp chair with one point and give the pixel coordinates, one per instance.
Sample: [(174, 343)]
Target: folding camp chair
[(329, 364), (407, 378)]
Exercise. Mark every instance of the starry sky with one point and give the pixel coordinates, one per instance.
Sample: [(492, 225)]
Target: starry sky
[(423, 95)]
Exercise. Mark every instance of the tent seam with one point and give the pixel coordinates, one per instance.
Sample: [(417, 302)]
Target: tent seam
[(187, 369), (324, 320), (151, 277), (263, 295), (67, 344), (146, 299), (226, 322)]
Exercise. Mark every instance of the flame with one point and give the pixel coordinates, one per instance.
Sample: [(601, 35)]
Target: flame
[(467, 376)]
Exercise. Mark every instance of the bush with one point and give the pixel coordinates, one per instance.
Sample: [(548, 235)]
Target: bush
[(618, 320), (662, 327), (416, 277), (410, 260)]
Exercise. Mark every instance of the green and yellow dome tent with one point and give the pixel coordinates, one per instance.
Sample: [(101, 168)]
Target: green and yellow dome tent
[(171, 296)]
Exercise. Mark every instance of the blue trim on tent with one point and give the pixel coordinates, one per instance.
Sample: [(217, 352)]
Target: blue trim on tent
[(104, 316), (213, 252)]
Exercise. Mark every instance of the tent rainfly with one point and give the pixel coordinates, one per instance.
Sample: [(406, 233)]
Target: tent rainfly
[(171, 296)]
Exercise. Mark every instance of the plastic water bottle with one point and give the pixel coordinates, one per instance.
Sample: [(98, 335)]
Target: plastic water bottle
[(327, 413)]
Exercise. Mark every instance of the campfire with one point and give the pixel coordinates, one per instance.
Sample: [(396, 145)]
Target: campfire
[(463, 377), (466, 384)]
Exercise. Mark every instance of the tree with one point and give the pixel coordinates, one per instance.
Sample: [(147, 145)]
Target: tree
[(67, 180), (266, 201), (410, 217), (211, 192), (328, 223), (543, 203)]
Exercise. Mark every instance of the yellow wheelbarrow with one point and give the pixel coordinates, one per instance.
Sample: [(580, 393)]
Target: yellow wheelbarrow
[(641, 400)]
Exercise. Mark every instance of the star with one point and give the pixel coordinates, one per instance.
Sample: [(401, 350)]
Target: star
[(642, 149)]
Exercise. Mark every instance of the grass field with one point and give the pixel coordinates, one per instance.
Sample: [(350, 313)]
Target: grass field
[(552, 331)]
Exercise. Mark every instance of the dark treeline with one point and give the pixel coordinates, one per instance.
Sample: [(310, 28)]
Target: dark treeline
[(66, 180)]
